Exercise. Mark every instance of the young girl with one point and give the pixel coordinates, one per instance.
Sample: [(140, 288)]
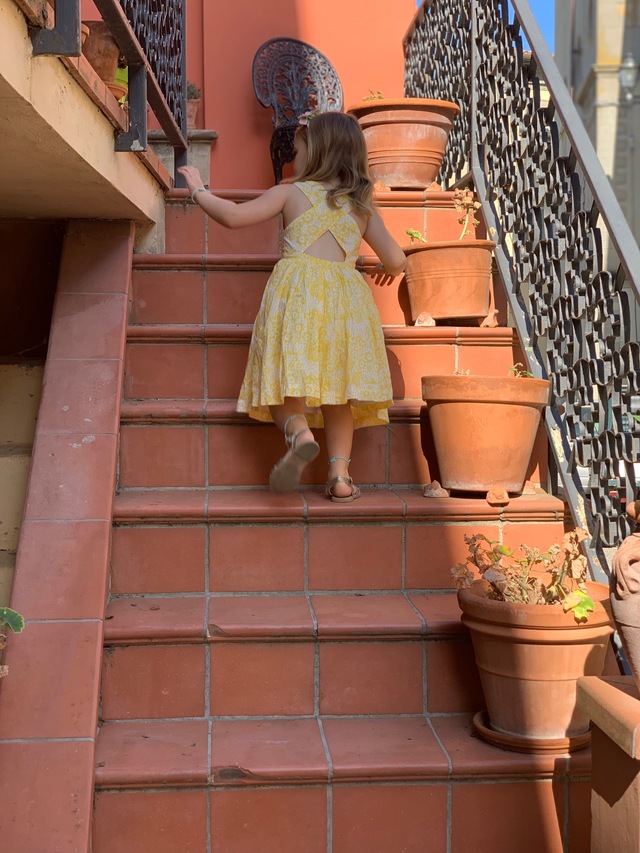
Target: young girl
[(317, 355)]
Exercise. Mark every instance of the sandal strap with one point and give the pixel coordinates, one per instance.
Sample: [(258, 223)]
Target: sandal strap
[(335, 459), (290, 440)]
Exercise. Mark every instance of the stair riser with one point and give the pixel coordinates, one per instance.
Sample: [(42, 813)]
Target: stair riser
[(229, 558), (289, 679), (216, 371), (166, 456)]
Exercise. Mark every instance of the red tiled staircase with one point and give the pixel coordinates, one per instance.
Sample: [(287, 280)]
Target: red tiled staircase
[(283, 674)]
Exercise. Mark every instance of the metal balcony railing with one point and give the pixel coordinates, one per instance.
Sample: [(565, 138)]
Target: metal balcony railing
[(151, 35), (544, 191)]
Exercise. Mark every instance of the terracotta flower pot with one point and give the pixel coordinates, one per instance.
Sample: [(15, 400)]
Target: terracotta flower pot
[(406, 138), (450, 280), (529, 657), (484, 428), (193, 105), (101, 50)]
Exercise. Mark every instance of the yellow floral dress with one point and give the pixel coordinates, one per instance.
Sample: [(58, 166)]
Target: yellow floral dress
[(318, 335)]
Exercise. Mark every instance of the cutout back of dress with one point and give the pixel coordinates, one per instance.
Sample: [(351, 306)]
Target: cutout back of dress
[(311, 226)]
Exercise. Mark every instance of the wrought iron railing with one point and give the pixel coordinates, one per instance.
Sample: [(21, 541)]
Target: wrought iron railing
[(545, 193), (151, 34)]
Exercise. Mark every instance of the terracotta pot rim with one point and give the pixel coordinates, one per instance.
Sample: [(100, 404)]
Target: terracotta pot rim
[(381, 104), (449, 244), (473, 601), (485, 389)]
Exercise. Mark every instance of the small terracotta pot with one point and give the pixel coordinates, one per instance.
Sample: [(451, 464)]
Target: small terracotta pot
[(406, 138), (193, 105), (450, 280), (101, 50), (484, 428), (529, 657)]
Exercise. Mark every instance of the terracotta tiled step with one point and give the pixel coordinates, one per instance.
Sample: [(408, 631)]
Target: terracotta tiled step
[(332, 786), (189, 229), (286, 655), (224, 541), (228, 288), (191, 360)]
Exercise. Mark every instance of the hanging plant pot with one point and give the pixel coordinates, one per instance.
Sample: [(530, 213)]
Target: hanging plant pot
[(406, 138), (529, 657), (451, 281), (101, 50), (484, 429)]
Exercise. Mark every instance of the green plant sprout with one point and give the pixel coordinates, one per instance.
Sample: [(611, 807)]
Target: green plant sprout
[(519, 372), (15, 622), (374, 96)]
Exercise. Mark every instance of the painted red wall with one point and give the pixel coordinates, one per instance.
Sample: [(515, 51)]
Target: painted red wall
[(361, 38)]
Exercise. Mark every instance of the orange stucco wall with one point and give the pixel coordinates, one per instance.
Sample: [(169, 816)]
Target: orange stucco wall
[(361, 38)]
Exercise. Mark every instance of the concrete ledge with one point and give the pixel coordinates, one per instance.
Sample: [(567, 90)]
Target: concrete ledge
[(613, 704)]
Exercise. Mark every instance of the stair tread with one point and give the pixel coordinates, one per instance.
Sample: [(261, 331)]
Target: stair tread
[(243, 505), (275, 617), (311, 750)]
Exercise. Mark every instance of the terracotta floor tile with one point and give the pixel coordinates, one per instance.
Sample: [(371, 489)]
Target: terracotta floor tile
[(490, 360), (152, 456), (75, 476), (88, 325), (250, 679), (440, 612), (131, 619), (365, 615), (453, 683), (579, 817), (264, 238), (255, 752), (389, 818), (396, 748), (411, 361), (168, 296), (531, 818), (249, 505), (76, 554), (421, 509), (252, 559), (52, 687), (46, 790), (374, 505), (150, 822), (442, 224), (269, 820), (355, 557), (433, 549), (152, 753), (164, 371), (81, 396), (472, 757), (392, 301), (225, 371), (260, 616), (157, 559), (406, 460), (141, 505), (243, 455), (150, 682), (234, 296), (96, 257), (371, 678), (541, 535), (185, 229)]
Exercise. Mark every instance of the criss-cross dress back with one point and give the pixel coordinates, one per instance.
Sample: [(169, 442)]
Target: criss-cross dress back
[(306, 229)]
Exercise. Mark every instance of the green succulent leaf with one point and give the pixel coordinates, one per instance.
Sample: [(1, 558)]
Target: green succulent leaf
[(580, 603), (11, 619)]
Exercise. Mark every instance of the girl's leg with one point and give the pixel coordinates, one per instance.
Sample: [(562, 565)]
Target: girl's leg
[(290, 418), (338, 427)]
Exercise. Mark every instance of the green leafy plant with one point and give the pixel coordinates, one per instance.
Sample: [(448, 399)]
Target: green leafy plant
[(518, 370), (193, 91), (530, 576), (15, 622), (466, 204)]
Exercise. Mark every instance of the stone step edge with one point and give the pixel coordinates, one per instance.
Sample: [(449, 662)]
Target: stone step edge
[(168, 620), (260, 506), (223, 411), (240, 333), (229, 261), (179, 751)]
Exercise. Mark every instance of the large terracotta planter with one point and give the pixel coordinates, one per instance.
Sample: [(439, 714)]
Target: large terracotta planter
[(406, 139), (484, 429), (101, 50), (529, 657), (451, 280)]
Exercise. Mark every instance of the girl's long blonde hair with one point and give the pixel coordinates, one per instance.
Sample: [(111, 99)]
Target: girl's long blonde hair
[(337, 154)]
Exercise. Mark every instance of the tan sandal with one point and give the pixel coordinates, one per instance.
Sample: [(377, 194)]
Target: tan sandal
[(355, 491), (285, 475)]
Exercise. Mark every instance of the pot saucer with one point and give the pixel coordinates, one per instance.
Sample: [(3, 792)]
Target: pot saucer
[(517, 743)]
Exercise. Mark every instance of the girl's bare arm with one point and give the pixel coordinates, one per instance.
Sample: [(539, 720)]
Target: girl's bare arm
[(391, 255)]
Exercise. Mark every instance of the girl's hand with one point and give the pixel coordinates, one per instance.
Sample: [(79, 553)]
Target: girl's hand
[(192, 177), (380, 277)]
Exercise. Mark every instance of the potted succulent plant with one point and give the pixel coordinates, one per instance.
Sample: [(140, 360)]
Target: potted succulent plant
[(8, 619), (193, 104), (406, 138), (483, 430), (537, 625), (449, 280)]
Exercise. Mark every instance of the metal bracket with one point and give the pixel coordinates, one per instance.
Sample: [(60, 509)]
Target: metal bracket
[(64, 38)]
